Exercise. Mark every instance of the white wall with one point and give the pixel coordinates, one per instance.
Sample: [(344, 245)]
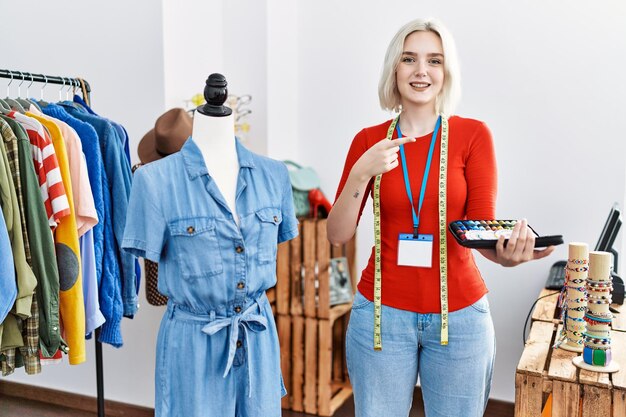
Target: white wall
[(540, 74), (282, 79), (203, 37), (193, 34), (545, 76), (118, 48), (245, 63)]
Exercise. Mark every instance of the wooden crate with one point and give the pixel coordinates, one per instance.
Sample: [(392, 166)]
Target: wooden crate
[(575, 393), (333, 383), (313, 361), (302, 270), (310, 331)]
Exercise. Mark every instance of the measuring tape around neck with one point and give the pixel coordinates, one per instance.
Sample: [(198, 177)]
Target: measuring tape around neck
[(443, 253), (443, 241)]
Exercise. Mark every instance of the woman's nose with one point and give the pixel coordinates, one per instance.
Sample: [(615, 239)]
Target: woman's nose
[(420, 70)]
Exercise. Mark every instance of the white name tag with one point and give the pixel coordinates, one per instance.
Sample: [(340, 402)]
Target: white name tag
[(414, 251)]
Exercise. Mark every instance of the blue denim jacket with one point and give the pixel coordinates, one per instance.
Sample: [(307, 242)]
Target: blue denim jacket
[(125, 141), (122, 134), (215, 274), (119, 177)]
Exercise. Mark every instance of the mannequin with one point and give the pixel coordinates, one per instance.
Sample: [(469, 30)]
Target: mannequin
[(218, 353), (214, 133)]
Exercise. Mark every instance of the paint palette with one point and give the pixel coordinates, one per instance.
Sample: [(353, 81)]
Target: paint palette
[(485, 233)]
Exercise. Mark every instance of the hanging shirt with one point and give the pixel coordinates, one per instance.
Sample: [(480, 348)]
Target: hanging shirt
[(68, 258), (119, 177), (43, 255), (108, 271), (26, 281), (215, 274), (28, 355), (122, 133), (123, 136), (93, 315), (86, 215), (47, 168)]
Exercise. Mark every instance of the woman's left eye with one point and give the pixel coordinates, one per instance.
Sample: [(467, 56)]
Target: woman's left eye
[(435, 61)]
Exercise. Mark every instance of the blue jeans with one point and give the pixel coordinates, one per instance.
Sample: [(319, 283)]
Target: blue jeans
[(455, 379)]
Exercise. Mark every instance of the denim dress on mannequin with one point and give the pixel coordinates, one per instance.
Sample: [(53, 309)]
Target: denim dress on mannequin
[(217, 350)]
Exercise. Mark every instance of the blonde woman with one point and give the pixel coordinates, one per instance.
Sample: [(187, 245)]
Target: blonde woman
[(421, 81)]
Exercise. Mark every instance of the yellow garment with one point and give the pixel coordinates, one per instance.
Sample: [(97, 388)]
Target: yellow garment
[(72, 306)]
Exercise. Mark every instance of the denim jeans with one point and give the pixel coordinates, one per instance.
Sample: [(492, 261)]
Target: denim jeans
[(455, 379)]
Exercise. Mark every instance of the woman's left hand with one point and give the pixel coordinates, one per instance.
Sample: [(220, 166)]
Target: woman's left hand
[(519, 249)]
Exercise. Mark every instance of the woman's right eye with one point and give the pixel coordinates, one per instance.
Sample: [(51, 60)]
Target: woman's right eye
[(407, 59)]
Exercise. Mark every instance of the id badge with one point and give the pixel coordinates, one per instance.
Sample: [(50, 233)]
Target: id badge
[(415, 251)]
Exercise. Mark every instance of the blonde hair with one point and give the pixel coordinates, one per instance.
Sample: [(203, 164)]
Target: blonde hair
[(448, 98)]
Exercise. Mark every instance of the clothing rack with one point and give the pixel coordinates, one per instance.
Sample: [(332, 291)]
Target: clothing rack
[(22, 76)]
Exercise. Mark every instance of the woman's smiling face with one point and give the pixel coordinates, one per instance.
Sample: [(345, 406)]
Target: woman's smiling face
[(420, 72)]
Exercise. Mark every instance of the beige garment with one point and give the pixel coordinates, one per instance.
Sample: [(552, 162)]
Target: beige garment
[(86, 215)]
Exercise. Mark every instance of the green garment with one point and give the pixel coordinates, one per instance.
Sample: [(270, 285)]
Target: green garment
[(28, 355), (42, 247), (26, 281)]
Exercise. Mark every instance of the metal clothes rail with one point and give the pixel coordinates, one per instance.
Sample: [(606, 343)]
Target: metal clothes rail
[(30, 78)]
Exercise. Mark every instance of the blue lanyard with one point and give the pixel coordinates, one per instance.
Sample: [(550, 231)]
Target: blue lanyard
[(405, 171)]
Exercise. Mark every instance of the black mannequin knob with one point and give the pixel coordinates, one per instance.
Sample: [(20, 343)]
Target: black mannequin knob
[(215, 94)]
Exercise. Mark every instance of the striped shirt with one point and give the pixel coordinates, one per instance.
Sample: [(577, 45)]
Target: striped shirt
[(47, 169)]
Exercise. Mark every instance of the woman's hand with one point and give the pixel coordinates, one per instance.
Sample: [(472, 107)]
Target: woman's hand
[(380, 158), (519, 249)]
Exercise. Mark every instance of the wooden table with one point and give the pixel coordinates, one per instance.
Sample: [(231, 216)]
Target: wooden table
[(575, 392)]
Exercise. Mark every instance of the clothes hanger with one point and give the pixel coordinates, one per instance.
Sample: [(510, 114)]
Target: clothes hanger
[(67, 101), (4, 106), (70, 86), (13, 103), (76, 85), (30, 100), (24, 101), (61, 90), (42, 102)]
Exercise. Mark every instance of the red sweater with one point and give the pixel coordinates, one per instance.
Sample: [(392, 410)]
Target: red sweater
[(472, 183)]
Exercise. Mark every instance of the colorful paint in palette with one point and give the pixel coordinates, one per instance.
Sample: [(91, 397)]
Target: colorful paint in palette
[(485, 233), (482, 229)]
